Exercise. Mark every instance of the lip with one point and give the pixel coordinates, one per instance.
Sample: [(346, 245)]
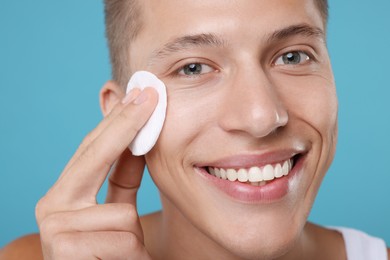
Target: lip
[(273, 191), (246, 161)]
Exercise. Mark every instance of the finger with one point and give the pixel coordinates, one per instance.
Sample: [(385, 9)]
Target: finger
[(104, 217), (87, 173), (125, 179), (101, 126), (97, 245)]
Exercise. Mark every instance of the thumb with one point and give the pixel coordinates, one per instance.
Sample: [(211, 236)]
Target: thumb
[(125, 179)]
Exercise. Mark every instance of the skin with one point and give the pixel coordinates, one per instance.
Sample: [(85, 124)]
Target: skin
[(246, 101), (282, 107)]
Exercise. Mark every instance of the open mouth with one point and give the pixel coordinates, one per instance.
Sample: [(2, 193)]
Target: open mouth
[(255, 175)]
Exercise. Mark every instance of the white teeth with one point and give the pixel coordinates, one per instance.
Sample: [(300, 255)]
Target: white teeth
[(223, 174), (231, 175), (258, 183), (286, 167), (278, 171), (217, 173), (242, 175), (268, 172), (257, 176)]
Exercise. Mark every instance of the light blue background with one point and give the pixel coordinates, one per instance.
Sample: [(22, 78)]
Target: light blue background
[(53, 61)]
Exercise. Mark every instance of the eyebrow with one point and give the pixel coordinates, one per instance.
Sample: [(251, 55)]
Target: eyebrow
[(304, 30), (188, 42)]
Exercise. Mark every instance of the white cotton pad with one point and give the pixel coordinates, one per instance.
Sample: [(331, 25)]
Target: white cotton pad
[(149, 133)]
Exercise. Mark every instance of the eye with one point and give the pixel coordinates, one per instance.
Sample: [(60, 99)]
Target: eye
[(195, 69), (292, 58)]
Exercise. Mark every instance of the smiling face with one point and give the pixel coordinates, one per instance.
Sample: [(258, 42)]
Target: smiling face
[(251, 120)]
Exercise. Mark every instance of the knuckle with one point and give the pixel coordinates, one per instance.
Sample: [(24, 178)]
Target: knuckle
[(87, 153), (50, 225), (122, 116), (41, 209), (133, 123), (87, 139)]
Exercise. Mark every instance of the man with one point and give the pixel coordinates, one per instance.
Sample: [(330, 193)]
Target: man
[(250, 132)]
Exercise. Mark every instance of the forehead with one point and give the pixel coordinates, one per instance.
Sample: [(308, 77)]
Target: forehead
[(233, 20), (176, 15)]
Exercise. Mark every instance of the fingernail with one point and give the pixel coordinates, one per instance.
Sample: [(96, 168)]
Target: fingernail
[(141, 98), (130, 96)]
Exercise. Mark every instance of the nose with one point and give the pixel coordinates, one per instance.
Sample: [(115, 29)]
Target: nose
[(252, 105)]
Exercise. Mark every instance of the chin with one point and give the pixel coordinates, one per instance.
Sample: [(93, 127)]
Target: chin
[(253, 231), (257, 243)]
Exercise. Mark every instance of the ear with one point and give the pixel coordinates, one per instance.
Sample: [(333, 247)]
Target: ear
[(110, 95)]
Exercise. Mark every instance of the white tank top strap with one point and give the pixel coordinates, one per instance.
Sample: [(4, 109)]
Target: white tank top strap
[(361, 246)]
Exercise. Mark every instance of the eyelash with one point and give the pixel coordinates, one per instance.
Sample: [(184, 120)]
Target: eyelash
[(180, 72), (308, 58)]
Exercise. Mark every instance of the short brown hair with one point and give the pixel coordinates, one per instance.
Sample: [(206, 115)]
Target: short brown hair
[(123, 22), (323, 7)]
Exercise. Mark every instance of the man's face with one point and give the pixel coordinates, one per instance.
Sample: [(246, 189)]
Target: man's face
[(250, 90)]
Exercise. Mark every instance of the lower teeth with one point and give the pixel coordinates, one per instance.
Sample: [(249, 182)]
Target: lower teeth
[(257, 184)]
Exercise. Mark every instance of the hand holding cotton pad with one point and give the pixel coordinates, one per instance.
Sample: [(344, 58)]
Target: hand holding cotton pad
[(149, 133)]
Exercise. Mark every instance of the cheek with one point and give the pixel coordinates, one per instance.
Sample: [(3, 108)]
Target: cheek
[(186, 131), (313, 100), (312, 107), (191, 112), (189, 115)]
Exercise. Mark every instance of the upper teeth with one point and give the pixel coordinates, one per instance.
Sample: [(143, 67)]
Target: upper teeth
[(254, 174)]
